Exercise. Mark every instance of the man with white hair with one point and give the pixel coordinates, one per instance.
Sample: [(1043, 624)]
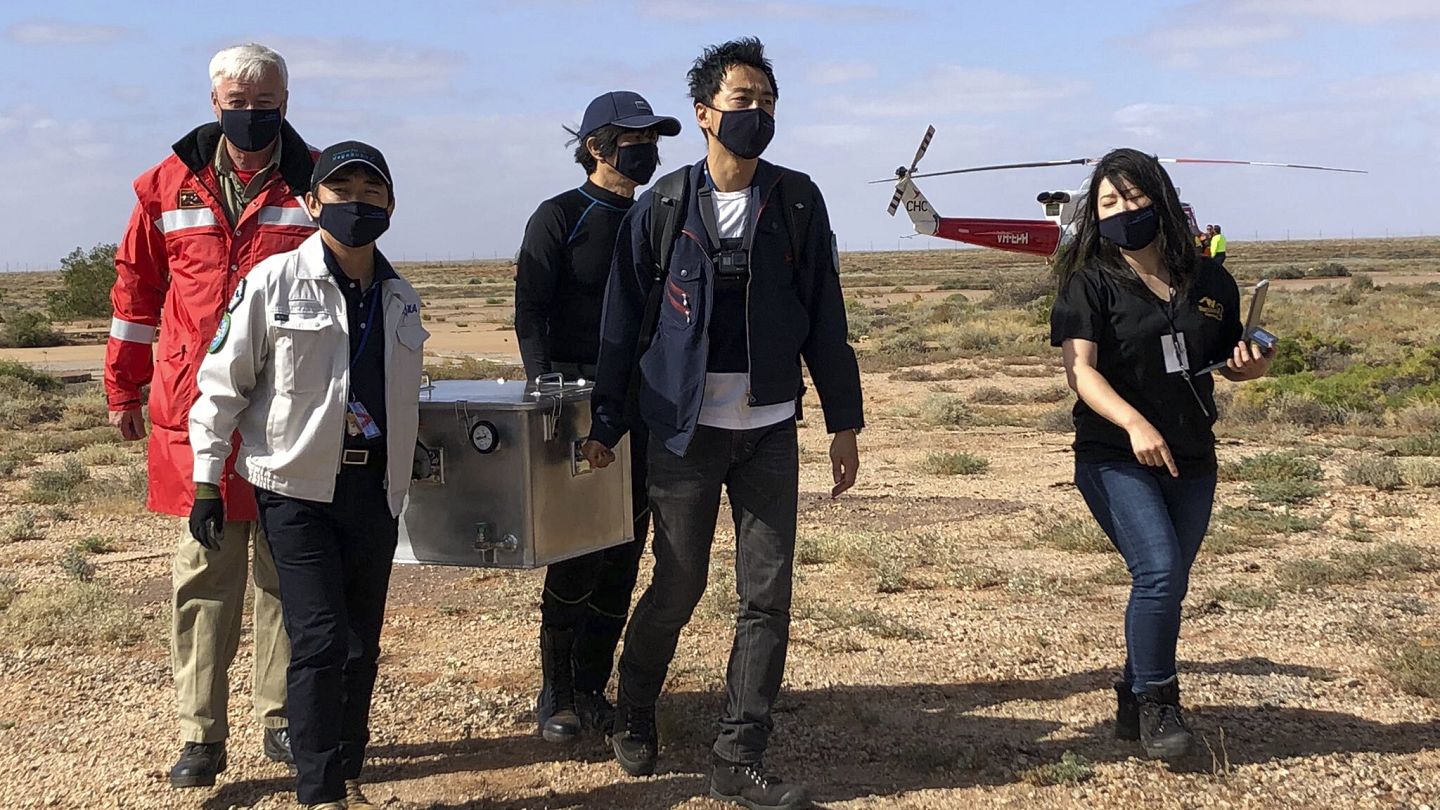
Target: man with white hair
[(227, 198)]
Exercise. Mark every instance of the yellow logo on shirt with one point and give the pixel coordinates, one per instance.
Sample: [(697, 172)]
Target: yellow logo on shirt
[(1211, 308)]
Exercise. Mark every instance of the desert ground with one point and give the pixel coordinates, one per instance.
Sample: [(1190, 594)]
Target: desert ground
[(957, 617)]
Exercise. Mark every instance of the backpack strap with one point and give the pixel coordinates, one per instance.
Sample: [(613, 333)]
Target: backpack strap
[(796, 194), (667, 205)]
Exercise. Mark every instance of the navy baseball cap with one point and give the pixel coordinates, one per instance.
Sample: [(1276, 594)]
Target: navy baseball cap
[(343, 154), (625, 109)]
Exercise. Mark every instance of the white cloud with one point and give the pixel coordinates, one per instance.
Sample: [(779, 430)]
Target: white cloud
[(52, 32), (362, 66), (953, 89), (1151, 121), (794, 10), (841, 72)]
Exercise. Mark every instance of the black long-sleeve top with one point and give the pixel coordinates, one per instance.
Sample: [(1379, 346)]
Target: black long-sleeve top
[(560, 277)]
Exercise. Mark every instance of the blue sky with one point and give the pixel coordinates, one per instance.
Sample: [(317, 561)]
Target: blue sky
[(467, 101)]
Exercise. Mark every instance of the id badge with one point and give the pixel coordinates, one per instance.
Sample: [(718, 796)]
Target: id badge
[(1177, 356), (363, 420)]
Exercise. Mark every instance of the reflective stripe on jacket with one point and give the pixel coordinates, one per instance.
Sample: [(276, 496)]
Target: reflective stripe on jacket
[(176, 267)]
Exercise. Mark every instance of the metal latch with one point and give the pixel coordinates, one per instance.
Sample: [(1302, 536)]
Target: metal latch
[(485, 540)]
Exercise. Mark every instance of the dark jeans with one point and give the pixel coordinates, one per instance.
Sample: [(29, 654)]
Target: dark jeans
[(333, 560), (1219, 258), (590, 595), (1157, 523), (760, 471)]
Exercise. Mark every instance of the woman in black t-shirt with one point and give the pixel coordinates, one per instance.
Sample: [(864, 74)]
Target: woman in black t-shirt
[(1138, 314)]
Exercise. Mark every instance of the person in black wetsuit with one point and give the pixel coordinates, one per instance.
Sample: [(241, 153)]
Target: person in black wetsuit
[(560, 278)]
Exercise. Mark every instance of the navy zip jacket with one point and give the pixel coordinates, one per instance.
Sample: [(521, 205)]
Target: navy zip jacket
[(795, 310)]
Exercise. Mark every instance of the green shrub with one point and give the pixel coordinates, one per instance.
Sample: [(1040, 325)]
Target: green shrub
[(21, 527), (1384, 561), (1265, 521), (74, 563), (1072, 769), (947, 411), (1286, 271), (1274, 466), (956, 463), (22, 404), (40, 380), (1379, 472), (1414, 667), (58, 485), (28, 329), (1328, 270), (1420, 473), (86, 278), (1361, 388), (1424, 445), (1081, 535), (1245, 596), (1306, 351), (1289, 492)]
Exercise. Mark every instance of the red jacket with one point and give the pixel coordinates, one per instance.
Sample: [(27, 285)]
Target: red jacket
[(176, 268)]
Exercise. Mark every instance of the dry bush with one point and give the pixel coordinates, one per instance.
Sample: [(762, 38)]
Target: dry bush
[(1414, 667), (1379, 472), (1420, 472), (1420, 417), (954, 463), (1058, 420), (1386, 561), (947, 411), (1245, 596), (1076, 534), (22, 526), (77, 614)]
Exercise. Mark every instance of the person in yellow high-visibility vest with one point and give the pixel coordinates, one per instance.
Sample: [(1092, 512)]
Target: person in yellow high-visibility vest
[(1217, 245)]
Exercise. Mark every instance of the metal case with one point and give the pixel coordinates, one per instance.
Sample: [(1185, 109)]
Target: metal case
[(507, 486)]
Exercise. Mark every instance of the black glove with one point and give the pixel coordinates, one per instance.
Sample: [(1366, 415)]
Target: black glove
[(207, 516), (421, 468)]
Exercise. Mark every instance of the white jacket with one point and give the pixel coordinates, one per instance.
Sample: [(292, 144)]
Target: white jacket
[(279, 373)]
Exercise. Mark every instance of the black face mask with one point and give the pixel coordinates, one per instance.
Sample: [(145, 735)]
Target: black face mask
[(1131, 230), (638, 161), (354, 224), (746, 132), (250, 130)]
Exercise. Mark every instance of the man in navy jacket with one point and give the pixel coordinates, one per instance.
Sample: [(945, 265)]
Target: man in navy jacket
[(718, 389)]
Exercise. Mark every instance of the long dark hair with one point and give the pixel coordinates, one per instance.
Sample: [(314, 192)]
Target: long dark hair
[(1087, 248)]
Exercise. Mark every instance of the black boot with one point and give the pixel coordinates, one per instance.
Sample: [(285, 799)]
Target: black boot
[(635, 739), (595, 711), (276, 746), (198, 765), (556, 708), (750, 786), (1163, 731), (1127, 712)]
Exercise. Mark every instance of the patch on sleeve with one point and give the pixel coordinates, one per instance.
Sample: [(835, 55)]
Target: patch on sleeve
[(238, 298), (189, 198), (834, 254), (221, 334)]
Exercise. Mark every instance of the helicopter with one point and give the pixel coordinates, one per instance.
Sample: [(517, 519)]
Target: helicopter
[(1037, 237)]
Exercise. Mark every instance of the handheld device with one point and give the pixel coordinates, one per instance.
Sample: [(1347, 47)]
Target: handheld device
[(1253, 331)]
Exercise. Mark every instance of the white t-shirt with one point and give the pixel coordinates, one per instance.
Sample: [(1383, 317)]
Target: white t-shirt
[(726, 404)]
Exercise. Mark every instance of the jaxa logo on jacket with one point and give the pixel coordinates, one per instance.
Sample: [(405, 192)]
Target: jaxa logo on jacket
[(278, 371)]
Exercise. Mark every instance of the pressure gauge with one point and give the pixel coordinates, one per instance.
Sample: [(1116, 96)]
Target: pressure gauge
[(484, 437)]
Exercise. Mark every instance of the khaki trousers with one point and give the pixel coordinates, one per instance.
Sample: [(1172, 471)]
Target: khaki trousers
[(208, 589)]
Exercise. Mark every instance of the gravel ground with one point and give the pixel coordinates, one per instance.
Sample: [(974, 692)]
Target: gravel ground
[(945, 681)]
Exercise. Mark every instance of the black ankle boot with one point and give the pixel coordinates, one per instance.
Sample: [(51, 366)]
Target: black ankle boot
[(556, 708), (595, 711), (1163, 731), (635, 739), (1127, 712), (750, 786), (198, 765)]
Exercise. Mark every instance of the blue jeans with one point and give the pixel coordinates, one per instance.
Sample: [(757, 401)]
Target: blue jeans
[(1157, 523)]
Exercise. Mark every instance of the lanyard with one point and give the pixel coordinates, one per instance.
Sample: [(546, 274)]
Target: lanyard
[(1180, 353), (369, 322)]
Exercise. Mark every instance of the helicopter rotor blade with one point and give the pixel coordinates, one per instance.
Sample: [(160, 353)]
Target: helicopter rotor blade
[(999, 167), (1263, 163), (895, 201), (924, 145)]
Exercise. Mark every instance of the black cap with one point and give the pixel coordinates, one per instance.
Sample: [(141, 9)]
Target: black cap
[(627, 110), (342, 154)]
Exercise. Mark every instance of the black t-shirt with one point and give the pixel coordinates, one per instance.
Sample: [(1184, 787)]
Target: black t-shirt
[(560, 276), (1132, 328)]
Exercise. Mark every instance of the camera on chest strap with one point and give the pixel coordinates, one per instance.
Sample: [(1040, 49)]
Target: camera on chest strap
[(732, 264)]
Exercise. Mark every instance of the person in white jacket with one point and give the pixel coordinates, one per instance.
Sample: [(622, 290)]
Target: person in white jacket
[(317, 364)]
